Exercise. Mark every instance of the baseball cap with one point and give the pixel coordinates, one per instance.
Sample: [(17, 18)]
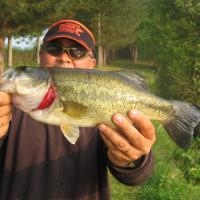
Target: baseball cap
[(73, 30)]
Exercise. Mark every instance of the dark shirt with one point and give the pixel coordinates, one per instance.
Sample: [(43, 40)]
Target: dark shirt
[(37, 162)]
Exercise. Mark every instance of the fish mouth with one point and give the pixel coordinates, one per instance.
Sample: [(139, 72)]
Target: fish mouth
[(23, 79)]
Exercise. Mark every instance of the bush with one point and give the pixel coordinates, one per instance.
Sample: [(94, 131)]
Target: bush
[(169, 180), (171, 36), (189, 162), (182, 82), (22, 57)]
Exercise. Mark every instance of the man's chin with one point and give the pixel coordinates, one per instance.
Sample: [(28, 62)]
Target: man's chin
[(62, 66)]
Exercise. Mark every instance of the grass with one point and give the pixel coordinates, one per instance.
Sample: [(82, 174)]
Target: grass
[(167, 182), (122, 192)]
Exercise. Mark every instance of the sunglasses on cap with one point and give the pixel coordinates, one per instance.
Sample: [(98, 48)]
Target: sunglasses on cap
[(74, 53)]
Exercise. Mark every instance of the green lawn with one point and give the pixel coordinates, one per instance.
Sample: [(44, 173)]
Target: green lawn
[(168, 181)]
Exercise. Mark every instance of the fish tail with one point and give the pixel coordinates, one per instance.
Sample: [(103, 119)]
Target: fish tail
[(183, 124)]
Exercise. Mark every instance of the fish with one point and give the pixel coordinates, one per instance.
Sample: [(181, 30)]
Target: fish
[(73, 98)]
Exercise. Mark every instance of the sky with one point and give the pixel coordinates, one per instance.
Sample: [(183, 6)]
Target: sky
[(22, 42)]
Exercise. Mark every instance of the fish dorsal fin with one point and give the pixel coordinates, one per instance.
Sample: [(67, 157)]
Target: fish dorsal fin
[(70, 132), (74, 110), (136, 78)]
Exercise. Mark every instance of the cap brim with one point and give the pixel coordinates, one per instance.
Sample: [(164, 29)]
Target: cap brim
[(68, 37)]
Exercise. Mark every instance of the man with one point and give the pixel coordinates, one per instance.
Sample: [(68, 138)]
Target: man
[(37, 162)]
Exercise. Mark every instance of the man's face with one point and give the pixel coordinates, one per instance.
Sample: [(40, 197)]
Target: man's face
[(53, 56)]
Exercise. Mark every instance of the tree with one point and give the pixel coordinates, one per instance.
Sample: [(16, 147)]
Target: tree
[(37, 44), (171, 34), (9, 51), (113, 22), (27, 17)]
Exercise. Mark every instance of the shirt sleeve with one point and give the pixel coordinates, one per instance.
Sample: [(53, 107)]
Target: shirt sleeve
[(2, 140), (134, 175)]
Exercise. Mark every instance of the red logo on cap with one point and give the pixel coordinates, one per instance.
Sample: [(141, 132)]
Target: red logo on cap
[(70, 28)]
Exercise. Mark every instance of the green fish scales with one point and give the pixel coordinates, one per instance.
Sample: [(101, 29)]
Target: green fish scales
[(106, 93)]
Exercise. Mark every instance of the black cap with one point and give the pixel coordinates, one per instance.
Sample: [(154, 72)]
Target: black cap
[(73, 30)]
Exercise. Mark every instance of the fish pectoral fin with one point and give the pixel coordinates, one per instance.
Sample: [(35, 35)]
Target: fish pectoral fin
[(70, 132), (74, 110)]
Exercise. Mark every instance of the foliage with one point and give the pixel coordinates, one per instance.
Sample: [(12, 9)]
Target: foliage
[(22, 57), (173, 33), (120, 22), (171, 36), (168, 181), (113, 22), (119, 19), (189, 162), (24, 16)]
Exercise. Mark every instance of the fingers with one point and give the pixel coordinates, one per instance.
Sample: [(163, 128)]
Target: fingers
[(4, 120), (3, 130), (143, 123), (113, 139), (118, 158), (5, 99), (4, 124), (128, 130), (117, 144), (4, 110), (5, 113), (142, 138), (127, 143)]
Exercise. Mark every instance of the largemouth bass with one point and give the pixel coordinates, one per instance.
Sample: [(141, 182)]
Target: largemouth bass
[(72, 98)]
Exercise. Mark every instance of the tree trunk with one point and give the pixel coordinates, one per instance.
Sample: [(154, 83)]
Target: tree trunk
[(100, 47), (100, 56), (135, 54), (104, 56), (113, 54), (107, 55), (9, 51), (131, 48), (2, 41), (38, 49)]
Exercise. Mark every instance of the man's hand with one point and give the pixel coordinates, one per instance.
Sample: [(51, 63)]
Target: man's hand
[(5, 113), (127, 143)]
